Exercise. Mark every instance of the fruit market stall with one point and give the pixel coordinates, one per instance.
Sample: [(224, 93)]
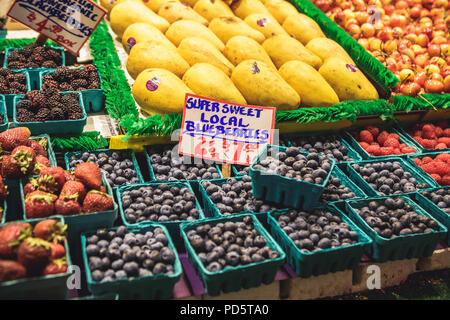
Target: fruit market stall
[(358, 176)]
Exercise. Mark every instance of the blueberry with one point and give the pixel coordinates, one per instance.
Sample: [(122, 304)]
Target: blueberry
[(131, 268), (97, 275), (117, 264), (159, 268)]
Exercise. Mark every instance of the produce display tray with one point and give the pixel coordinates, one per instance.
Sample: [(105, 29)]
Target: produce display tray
[(287, 192), (400, 247), (234, 278), (431, 154), (150, 287), (322, 261), (45, 287), (403, 127), (9, 98)]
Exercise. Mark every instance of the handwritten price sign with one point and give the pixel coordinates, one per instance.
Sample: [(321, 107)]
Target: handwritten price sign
[(223, 132), (69, 23)]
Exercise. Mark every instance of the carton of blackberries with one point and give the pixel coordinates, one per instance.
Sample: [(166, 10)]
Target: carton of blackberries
[(233, 253), (399, 228), (33, 56), (318, 241), (290, 177), (136, 263)]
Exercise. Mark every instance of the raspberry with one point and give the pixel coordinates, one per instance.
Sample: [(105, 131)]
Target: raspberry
[(364, 145), (390, 142), (402, 145), (444, 140), (441, 146), (417, 133), (426, 160), (397, 151), (382, 137), (418, 161), (429, 135), (386, 151), (365, 136), (438, 132), (428, 144), (443, 157), (373, 130), (418, 140), (443, 124), (447, 132), (429, 167), (373, 150), (436, 177), (445, 181), (394, 136), (428, 128), (408, 150)]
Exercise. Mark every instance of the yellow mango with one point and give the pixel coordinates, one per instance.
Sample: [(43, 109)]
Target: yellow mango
[(190, 2), (107, 4), (244, 8), (264, 24), (347, 80), (283, 48), (327, 48), (302, 28), (280, 9), (183, 29), (262, 85), (173, 11), (156, 4), (240, 48), (196, 50), (159, 91), (155, 54), (209, 81), (312, 88), (227, 27), (139, 32), (129, 12), (210, 9)]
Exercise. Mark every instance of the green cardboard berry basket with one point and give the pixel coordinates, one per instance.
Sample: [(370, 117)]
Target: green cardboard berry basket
[(80, 223), (3, 33), (33, 72), (5, 208), (321, 261), (159, 147), (236, 278), (44, 287), (431, 154), (129, 153), (93, 99), (430, 207), (284, 191), (4, 125), (158, 286), (400, 247), (366, 156), (9, 97), (53, 126), (172, 226), (403, 127), (364, 185)]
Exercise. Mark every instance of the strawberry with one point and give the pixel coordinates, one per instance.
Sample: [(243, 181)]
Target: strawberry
[(10, 167), (373, 130), (46, 183), (96, 201), (57, 173), (38, 147), (15, 137), (41, 163), (39, 204), (25, 157), (391, 142), (50, 230), (11, 270), (73, 190), (408, 150), (365, 136), (57, 251), (364, 145), (67, 207), (382, 137), (55, 267), (69, 175), (34, 254), (89, 174), (30, 187), (11, 235), (3, 190), (103, 189)]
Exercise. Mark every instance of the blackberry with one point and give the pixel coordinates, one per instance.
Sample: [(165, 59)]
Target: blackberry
[(52, 93), (21, 78), (65, 87), (55, 56), (4, 88), (10, 78), (15, 55), (16, 65), (83, 74), (27, 51), (74, 108), (37, 58), (90, 68), (62, 74), (75, 116), (93, 76), (18, 86), (24, 104), (5, 71), (30, 95), (47, 77), (67, 100), (32, 65), (94, 85), (79, 83), (50, 84), (49, 64), (43, 115), (57, 114), (24, 115), (55, 104)]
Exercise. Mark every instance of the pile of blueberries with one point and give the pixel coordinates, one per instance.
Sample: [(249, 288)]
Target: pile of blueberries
[(118, 167), (160, 203), (316, 230), (229, 244), (234, 196), (440, 197), (244, 170), (167, 165), (331, 146), (394, 217), (120, 254), (389, 177), (312, 168), (336, 191)]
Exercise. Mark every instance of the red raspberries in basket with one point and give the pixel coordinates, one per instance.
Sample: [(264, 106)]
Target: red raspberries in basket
[(438, 168), (432, 136)]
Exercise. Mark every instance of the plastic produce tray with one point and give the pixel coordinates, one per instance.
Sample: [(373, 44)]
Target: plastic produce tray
[(402, 128), (130, 153), (149, 287), (234, 278), (172, 226), (322, 261), (400, 247), (287, 192), (358, 179), (366, 156), (433, 155), (93, 99), (45, 287), (433, 209), (9, 98), (54, 126)]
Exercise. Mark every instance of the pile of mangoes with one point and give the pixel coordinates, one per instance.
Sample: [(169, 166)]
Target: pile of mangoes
[(252, 52)]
